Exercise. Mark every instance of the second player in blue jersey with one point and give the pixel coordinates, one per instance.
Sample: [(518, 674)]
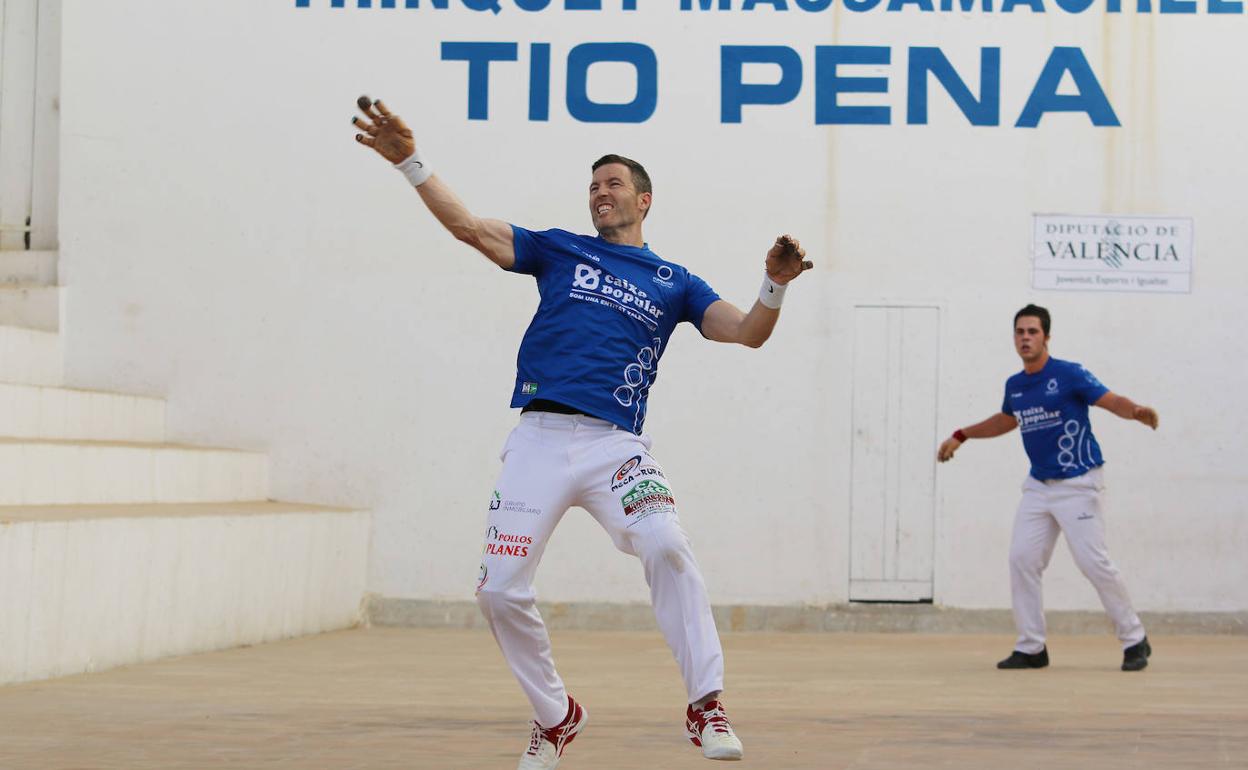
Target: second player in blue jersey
[(1048, 401)]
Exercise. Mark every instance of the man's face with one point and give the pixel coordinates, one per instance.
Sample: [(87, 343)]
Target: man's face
[(1030, 341), (613, 200)]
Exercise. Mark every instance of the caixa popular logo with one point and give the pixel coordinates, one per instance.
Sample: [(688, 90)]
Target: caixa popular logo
[(597, 285), (586, 277)]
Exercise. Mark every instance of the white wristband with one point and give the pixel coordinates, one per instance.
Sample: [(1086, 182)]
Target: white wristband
[(772, 293), (415, 169)]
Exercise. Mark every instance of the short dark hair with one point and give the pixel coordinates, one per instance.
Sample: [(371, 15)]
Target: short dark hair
[(1037, 312), (641, 180)]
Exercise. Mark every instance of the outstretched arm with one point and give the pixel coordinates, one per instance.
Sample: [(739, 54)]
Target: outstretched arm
[(1128, 409), (997, 425), (725, 322), (390, 137)]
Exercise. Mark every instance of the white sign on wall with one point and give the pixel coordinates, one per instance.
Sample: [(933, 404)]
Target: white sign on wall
[(1112, 253)]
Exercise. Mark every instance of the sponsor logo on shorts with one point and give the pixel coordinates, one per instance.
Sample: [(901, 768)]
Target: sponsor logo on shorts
[(646, 499), (632, 471), (483, 576), (513, 506), (506, 544), (622, 472), (495, 501)]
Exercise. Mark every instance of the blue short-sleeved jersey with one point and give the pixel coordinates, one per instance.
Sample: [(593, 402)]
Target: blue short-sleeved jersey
[(605, 316), (1051, 407)]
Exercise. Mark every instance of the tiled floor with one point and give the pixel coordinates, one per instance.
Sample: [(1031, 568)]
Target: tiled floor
[(437, 699)]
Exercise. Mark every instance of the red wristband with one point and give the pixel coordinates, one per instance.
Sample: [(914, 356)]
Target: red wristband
[(959, 435)]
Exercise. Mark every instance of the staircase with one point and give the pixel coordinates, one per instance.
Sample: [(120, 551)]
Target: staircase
[(117, 547)]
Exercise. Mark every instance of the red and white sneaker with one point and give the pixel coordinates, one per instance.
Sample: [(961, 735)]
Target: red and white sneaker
[(708, 727), (546, 744)]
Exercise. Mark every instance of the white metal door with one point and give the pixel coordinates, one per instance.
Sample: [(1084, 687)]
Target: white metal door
[(29, 123), (892, 506)]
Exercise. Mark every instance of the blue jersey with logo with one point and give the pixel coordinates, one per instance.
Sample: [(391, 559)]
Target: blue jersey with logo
[(605, 316), (1051, 407)]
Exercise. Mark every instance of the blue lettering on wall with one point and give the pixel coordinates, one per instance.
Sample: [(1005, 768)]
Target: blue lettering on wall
[(1045, 98), (479, 56), (644, 101), (830, 84), (735, 93), (966, 6), (1224, 6), (897, 5), (1072, 7), (925, 64), (369, 4), (539, 81), (984, 111)]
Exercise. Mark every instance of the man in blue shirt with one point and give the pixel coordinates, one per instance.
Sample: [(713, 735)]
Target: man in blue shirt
[(1049, 401), (583, 376)]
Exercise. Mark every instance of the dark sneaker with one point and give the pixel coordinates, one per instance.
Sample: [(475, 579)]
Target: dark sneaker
[(1019, 659), (1135, 657)]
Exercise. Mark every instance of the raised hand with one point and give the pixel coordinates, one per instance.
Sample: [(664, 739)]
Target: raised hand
[(786, 260), (384, 131)]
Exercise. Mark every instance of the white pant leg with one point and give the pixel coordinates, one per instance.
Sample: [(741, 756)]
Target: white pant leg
[(1031, 547), (637, 508), (1076, 505), (533, 493)]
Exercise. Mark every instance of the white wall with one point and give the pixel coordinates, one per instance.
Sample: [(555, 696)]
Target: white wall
[(227, 244)]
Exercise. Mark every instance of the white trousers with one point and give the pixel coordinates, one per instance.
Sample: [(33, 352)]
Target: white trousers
[(550, 463), (1073, 507)]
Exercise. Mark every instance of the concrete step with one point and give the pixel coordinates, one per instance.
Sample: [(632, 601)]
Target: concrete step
[(84, 588), (35, 411), (53, 472), (31, 356), (30, 307), (36, 268)]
